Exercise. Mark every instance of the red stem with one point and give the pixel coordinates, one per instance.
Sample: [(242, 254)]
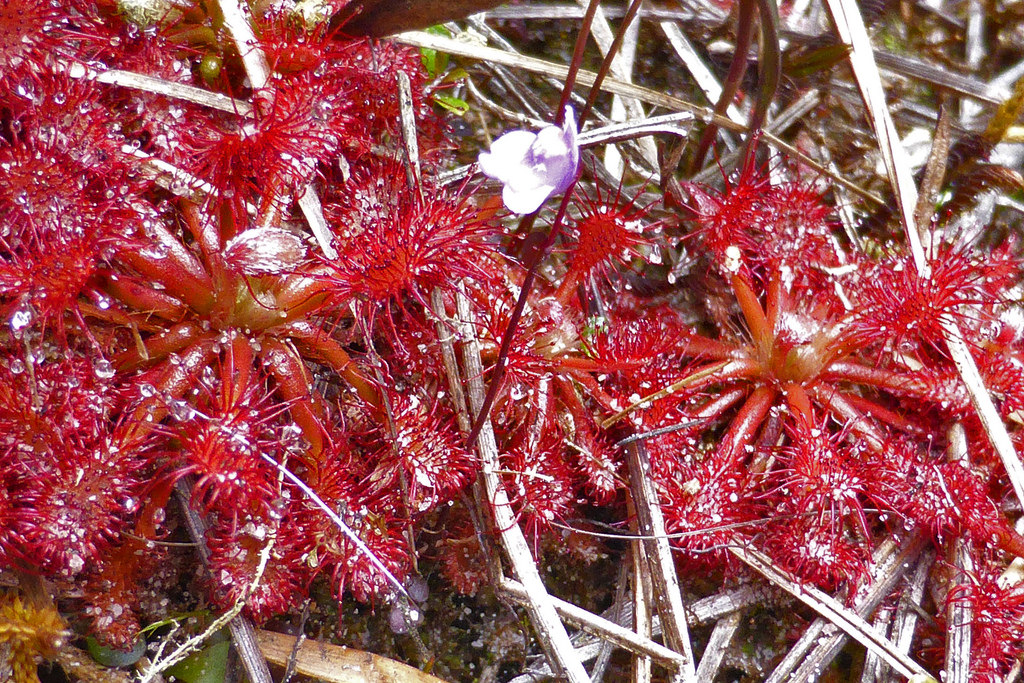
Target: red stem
[(606, 65), (142, 298), (118, 317), (330, 352), (302, 293), (799, 403), (776, 300), (757, 322), (293, 383), (175, 380), (899, 384), (714, 409), (567, 287), (731, 84), (239, 367), (533, 263), (177, 270), (577, 59), (595, 391), (876, 411), (158, 347), (846, 413), (200, 227), (743, 428)]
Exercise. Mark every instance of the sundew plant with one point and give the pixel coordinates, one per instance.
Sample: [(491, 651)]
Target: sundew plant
[(297, 323)]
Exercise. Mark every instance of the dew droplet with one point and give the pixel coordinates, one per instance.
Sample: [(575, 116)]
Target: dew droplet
[(21, 318), (103, 369), (181, 410), (154, 251)]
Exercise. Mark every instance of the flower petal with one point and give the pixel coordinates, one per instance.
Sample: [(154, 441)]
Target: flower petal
[(533, 166), (507, 155), (525, 199)]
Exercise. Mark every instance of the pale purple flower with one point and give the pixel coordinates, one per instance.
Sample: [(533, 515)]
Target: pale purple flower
[(534, 166)]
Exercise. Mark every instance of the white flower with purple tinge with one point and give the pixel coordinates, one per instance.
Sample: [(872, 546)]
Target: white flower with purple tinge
[(534, 166)]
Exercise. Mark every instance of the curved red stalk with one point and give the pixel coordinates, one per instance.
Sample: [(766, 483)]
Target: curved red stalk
[(300, 295), (595, 391), (142, 298), (532, 262), (174, 382), (178, 270), (202, 230), (1010, 541), (847, 371), (158, 346), (330, 352), (737, 68), (567, 287), (584, 364), (701, 347), (897, 383), (577, 59), (757, 322), (714, 409), (848, 414), (239, 368), (118, 317), (606, 63), (776, 300), (293, 383), (571, 399), (744, 426), (869, 407), (799, 403)]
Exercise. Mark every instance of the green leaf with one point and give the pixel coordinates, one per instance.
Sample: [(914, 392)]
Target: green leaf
[(455, 75), (438, 30), (209, 665), (814, 61), (433, 61), (453, 104), (174, 619), (108, 656)]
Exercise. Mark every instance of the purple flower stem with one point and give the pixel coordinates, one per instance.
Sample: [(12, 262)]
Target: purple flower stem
[(533, 258), (577, 59), (595, 89)]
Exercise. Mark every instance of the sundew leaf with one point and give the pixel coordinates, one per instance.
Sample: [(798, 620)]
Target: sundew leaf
[(208, 665)]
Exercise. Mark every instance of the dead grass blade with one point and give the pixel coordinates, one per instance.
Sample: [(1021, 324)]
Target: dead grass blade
[(934, 171), (667, 595), (959, 616), (337, 664), (823, 640), (242, 631), (718, 644), (850, 26), (603, 628), (550, 631), (831, 609), (159, 86), (629, 108), (643, 596)]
